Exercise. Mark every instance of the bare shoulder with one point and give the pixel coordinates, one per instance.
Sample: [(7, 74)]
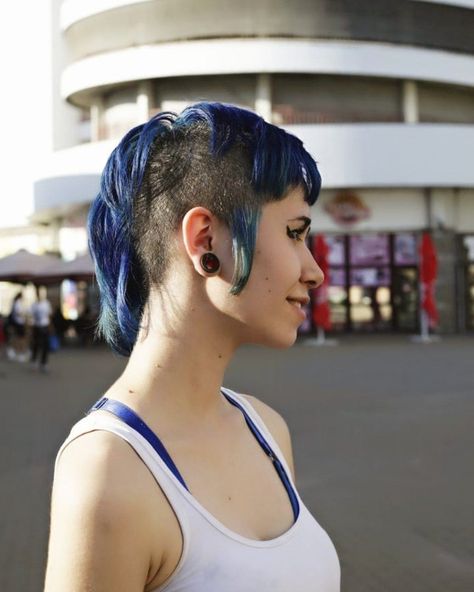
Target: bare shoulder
[(98, 507), (277, 427)]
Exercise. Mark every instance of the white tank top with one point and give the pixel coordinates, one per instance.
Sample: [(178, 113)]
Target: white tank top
[(216, 559)]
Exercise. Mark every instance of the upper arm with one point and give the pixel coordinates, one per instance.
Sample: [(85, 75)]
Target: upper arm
[(278, 429), (98, 537)]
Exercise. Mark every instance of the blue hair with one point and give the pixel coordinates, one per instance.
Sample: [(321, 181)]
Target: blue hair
[(277, 162)]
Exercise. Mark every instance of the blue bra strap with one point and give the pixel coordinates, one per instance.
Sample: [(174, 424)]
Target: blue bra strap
[(134, 421), (267, 449)]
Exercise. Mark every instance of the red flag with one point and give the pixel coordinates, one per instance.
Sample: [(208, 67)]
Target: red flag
[(321, 311), (428, 272)]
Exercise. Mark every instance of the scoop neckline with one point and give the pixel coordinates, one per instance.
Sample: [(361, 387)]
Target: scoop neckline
[(226, 530), (280, 539)]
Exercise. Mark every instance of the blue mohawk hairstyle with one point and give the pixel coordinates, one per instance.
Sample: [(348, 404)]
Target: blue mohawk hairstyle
[(278, 162), (279, 158)]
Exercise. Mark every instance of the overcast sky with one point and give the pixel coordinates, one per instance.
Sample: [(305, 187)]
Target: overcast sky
[(25, 102)]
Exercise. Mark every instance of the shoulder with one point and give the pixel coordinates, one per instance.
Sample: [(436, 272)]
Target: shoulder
[(97, 475), (277, 426), (98, 505)]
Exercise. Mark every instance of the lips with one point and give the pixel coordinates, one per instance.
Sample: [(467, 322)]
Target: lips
[(301, 302), (297, 306), (295, 302)]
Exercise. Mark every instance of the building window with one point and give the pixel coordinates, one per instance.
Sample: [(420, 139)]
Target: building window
[(300, 99)]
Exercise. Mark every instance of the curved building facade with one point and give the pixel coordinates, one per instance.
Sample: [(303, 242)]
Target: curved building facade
[(382, 94)]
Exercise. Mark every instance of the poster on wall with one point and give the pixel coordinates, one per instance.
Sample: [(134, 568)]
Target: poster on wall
[(337, 277), (370, 249), (370, 276), (337, 254), (406, 249)]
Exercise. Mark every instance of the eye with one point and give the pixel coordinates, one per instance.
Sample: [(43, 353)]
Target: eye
[(295, 234)]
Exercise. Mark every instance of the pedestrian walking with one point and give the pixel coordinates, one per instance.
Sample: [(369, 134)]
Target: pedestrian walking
[(41, 311), (173, 481), (17, 349)]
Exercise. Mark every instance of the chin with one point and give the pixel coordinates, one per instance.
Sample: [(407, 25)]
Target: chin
[(280, 341)]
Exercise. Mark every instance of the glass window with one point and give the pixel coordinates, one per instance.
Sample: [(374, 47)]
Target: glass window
[(370, 249), (406, 252), (337, 253), (468, 242), (370, 276)]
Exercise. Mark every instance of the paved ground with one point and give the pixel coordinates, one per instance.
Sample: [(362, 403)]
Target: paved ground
[(383, 437)]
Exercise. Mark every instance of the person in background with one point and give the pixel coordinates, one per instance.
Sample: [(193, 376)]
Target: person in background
[(60, 324), (41, 311), (3, 335), (18, 347)]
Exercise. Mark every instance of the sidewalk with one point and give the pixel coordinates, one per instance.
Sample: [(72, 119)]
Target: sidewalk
[(383, 435)]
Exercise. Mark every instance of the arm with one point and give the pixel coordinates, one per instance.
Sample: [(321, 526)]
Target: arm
[(99, 538), (277, 427)]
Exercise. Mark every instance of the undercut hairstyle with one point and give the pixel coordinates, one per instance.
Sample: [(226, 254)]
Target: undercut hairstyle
[(221, 157)]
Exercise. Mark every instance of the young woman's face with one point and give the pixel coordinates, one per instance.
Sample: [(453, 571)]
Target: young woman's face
[(283, 268)]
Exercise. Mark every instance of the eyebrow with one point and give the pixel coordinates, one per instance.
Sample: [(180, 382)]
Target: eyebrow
[(305, 219)]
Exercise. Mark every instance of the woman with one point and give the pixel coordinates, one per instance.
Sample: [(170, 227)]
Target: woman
[(41, 320), (178, 483), (18, 349)]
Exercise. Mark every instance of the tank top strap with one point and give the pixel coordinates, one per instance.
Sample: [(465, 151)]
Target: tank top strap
[(133, 420), (258, 421), (127, 415), (161, 472)]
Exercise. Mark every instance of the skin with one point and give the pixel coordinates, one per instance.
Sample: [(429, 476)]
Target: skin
[(173, 358), (191, 330)]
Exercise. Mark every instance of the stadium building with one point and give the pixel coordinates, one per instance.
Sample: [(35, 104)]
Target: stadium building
[(381, 93)]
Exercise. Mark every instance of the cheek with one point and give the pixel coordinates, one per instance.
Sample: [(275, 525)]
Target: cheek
[(274, 273)]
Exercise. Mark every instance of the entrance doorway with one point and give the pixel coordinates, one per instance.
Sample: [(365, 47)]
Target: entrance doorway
[(373, 282), (466, 282)]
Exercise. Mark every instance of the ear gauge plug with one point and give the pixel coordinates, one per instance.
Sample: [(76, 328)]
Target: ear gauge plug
[(210, 263)]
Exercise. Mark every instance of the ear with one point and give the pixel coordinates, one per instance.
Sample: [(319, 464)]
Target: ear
[(199, 230)]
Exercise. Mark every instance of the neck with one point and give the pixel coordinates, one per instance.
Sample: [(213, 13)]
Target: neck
[(176, 369)]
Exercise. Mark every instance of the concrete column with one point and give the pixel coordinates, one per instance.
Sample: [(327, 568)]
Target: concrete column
[(263, 96), (55, 227), (97, 118), (410, 101), (144, 101), (427, 194)]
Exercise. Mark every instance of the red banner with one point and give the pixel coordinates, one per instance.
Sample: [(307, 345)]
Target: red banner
[(321, 312), (428, 273)]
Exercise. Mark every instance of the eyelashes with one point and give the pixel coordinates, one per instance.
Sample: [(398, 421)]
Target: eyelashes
[(296, 234)]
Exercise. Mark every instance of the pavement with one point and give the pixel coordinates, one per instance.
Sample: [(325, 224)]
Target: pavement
[(383, 440)]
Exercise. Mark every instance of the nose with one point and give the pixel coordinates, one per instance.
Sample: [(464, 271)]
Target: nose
[(312, 274)]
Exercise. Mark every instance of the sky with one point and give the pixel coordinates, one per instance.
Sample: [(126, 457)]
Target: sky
[(25, 103)]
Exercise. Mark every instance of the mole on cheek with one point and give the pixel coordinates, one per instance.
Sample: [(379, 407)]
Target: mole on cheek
[(266, 278)]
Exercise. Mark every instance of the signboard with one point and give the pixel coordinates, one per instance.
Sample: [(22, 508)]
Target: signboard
[(347, 208)]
